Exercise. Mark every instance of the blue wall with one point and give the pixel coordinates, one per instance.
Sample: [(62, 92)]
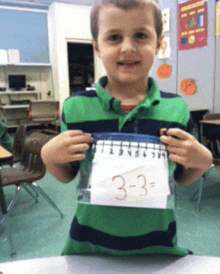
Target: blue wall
[(26, 31)]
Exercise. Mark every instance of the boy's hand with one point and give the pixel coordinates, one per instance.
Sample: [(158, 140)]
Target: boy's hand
[(186, 150), (66, 147)]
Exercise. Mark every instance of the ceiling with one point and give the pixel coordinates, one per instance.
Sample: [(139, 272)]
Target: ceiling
[(76, 2)]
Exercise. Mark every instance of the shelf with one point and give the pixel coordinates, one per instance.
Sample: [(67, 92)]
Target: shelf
[(79, 67), (80, 70), (77, 83), (28, 64), (16, 125), (14, 106), (18, 92)]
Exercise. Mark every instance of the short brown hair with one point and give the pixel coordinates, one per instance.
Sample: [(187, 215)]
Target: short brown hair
[(126, 5)]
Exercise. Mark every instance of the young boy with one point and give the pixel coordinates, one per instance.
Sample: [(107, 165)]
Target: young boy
[(126, 36)]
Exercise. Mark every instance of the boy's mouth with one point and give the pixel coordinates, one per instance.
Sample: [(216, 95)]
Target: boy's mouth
[(128, 64)]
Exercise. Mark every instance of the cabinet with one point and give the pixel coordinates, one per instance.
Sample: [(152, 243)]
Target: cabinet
[(81, 76), (12, 113), (81, 66)]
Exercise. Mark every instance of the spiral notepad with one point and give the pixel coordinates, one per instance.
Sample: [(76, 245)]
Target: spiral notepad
[(126, 170)]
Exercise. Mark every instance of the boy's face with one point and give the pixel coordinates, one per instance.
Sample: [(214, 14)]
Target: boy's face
[(127, 43)]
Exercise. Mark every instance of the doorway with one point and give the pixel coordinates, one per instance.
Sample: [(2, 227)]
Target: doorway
[(81, 66)]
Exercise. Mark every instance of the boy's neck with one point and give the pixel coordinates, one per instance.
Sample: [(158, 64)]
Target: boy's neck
[(128, 94)]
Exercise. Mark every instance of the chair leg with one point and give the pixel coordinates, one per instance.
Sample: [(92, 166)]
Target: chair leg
[(30, 193), (9, 235), (17, 191), (194, 195), (8, 232), (48, 199), (200, 193), (204, 177), (33, 189)]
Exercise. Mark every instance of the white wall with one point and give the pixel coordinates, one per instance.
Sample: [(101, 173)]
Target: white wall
[(67, 22), (217, 77)]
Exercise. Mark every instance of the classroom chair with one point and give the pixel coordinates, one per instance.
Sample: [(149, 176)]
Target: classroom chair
[(30, 169), (18, 144), (201, 188), (44, 112), (211, 137), (5, 219)]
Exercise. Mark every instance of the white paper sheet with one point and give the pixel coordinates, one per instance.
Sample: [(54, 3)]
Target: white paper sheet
[(3, 57), (128, 174), (13, 56)]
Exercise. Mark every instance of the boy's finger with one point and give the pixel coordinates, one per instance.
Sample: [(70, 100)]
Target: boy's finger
[(178, 133), (77, 157), (82, 139), (77, 132), (74, 132), (79, 148), (175, 150), (163, 131), (170, 140)]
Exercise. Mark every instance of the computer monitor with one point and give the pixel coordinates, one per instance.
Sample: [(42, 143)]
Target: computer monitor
[(17, 82)]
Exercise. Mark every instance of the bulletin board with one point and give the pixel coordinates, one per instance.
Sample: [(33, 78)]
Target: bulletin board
[(192, 24)]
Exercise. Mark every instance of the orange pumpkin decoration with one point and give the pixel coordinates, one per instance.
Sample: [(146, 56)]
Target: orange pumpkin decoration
[(187, 86), (164, 71)]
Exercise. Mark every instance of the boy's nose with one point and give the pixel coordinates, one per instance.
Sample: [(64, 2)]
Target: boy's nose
[(127, 47)]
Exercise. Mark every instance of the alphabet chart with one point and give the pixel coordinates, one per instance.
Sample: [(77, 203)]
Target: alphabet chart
[(125, 170)]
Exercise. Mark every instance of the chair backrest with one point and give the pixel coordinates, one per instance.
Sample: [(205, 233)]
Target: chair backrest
[(19, 140), (211, 116), (32, 152), (43, 109)]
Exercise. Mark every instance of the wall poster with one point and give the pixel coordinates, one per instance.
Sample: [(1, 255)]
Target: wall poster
[(192, 24), (166, 20), (165, 49), (217, 18)]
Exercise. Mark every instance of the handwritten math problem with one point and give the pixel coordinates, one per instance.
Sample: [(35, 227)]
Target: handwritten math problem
[(128, 173), (142, 187)]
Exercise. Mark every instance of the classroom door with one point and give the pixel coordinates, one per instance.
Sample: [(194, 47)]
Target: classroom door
[(81, 66)]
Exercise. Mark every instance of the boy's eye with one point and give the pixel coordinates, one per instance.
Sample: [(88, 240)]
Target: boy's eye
[(140, 35), (114, 37)]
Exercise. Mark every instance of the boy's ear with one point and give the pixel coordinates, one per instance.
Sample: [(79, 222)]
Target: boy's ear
[(96, 48), (159, 42)]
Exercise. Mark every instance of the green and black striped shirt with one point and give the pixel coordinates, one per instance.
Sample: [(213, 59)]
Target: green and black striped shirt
[(118, 230)]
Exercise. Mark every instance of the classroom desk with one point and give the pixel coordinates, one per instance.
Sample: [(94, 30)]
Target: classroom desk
[(94, 264), (211, 122), (215, 123), (4, 155)]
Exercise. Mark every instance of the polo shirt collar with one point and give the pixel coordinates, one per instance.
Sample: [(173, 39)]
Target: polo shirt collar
[(152, 98)]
